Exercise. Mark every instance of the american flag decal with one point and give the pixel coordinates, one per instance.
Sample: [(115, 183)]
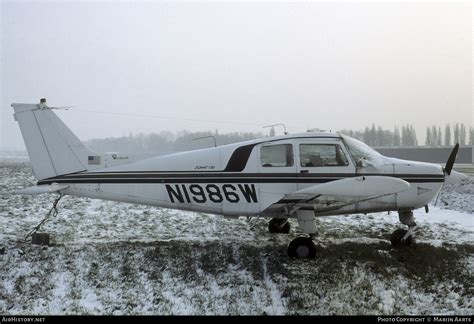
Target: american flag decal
[(93, 160)]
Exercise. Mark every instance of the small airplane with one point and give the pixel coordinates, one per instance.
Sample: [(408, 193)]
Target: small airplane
[(300, 176)]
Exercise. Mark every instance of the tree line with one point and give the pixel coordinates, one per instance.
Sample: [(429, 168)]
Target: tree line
[(457, 133), (406, 136), (376, 136), (167, 142)]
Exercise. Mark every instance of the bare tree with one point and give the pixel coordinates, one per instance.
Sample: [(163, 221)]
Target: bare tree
[(439, 141), (462, 134), (434, 132), (447, 135), (272, 131), (429, 137), (396, 136), (456, 133)]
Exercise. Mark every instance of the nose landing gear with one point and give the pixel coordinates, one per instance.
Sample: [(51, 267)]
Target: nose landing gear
[(401, 238), (397, 239)]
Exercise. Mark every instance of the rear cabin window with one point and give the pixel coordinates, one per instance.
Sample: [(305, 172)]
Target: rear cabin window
[(321, 155), (277, 155)]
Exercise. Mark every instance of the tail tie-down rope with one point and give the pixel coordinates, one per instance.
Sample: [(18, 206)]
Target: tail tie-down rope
[(53, 211)]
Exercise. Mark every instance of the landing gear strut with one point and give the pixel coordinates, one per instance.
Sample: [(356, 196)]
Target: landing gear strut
[(304, 247), (279, 225), (402, 238)]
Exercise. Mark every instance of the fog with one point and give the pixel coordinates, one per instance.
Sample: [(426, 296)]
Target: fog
[(169, 66)]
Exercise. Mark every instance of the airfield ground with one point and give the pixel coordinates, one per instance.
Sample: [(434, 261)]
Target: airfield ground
[(114, 258)]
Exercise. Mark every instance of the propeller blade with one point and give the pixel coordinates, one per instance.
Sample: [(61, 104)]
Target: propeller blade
[(439, 194), (451, 159)]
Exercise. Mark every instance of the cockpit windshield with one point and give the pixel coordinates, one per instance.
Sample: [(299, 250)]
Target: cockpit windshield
[(361, 151)]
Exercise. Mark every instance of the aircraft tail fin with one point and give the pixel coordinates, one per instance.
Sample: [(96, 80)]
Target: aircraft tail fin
[(52, 147)]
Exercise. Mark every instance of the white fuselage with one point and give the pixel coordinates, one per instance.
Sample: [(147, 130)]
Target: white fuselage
[(244, 179)]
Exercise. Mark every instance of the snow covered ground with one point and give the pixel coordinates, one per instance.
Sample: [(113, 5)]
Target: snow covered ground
[(113, 258)]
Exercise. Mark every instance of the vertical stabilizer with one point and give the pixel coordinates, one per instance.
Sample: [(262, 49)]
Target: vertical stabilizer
[(52, 147)]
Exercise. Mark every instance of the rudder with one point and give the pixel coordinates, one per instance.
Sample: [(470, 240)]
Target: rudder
[(52, 147)]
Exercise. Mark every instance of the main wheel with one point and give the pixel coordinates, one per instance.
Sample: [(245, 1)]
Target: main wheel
[(396, 239), (279, 225), (302, 247)]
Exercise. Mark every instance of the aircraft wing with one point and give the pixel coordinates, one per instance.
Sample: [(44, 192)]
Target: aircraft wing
[(339, 193), (36, 190)]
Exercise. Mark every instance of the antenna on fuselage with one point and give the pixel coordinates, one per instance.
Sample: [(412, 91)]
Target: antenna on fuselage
[(213, 137), (284, 127)]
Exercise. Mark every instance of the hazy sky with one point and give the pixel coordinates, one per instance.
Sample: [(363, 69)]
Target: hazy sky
[(237, 66)]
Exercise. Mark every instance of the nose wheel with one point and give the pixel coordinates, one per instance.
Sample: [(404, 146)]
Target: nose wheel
[(401, 238), (279, 225), (302, 248), (398, 239)]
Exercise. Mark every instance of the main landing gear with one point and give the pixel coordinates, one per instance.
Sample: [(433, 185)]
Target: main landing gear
[(300, 247), (401, 238), (304, 247)]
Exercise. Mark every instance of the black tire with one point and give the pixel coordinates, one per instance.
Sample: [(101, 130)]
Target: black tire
[(302, 248), (275, 225), (396, 239)]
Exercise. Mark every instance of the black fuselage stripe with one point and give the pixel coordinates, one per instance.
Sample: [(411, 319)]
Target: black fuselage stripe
[(213, 180), (234, 175)]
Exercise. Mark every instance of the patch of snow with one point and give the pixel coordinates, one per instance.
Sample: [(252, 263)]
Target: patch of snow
[(458, 196), (114, 258)]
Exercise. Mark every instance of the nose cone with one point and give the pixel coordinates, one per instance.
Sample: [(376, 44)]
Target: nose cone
[(427, 168), (415, 168), (426, 180)]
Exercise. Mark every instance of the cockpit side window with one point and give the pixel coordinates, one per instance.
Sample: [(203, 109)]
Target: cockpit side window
[(322, 155), (280, 155)]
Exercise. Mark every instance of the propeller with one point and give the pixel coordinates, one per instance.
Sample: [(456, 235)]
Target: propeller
[(448, 168), (452, 157)]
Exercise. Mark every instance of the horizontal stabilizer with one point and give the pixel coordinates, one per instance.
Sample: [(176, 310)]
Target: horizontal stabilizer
[(36, 190)]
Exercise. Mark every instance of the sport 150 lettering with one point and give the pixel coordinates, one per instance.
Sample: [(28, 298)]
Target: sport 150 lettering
[(211, 193)]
